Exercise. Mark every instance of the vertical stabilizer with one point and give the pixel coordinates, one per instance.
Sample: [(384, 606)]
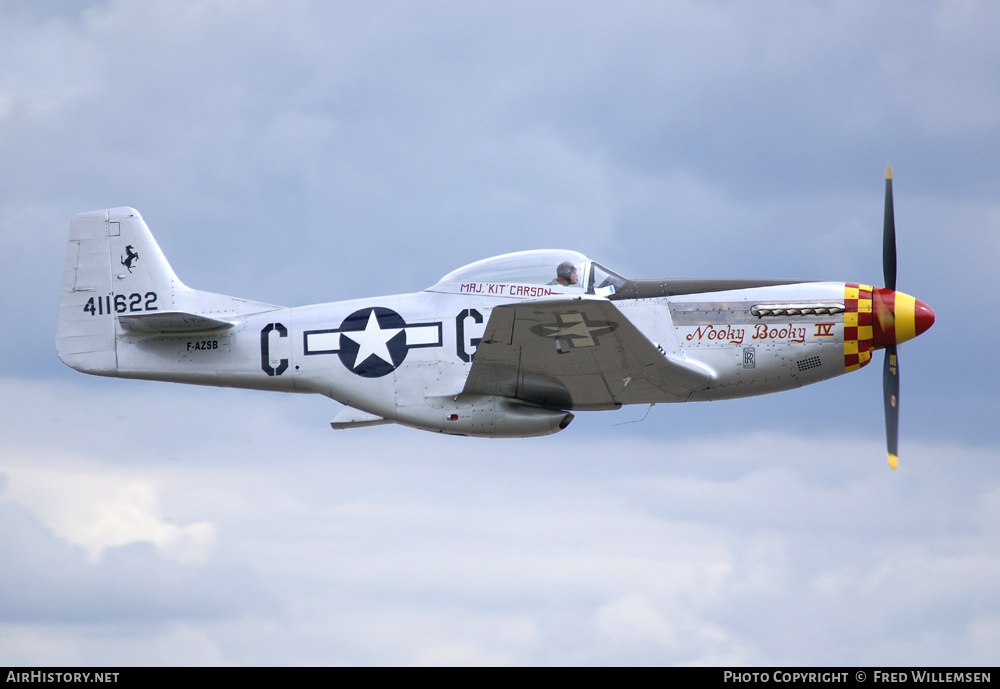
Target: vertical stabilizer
[(113, 267), (137, 264)]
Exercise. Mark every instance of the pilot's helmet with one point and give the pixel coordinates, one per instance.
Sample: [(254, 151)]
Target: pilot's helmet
[(565, 269)]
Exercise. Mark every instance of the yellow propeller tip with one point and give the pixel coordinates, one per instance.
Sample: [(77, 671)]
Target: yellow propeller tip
[(893, 461), (888, 171)]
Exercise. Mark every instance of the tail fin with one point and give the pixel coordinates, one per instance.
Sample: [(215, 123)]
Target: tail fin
[(113, 268)]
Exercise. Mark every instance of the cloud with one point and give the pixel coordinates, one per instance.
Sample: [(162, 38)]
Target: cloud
[(388, 545), (98, 509), (48, 581)]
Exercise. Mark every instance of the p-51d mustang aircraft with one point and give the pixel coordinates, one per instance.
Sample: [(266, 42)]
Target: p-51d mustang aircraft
[(509, 346)]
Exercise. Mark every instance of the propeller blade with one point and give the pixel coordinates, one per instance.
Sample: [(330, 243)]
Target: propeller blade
[(890, 393), (889, 235)]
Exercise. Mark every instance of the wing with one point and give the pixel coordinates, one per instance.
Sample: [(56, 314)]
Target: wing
[(576, 354)]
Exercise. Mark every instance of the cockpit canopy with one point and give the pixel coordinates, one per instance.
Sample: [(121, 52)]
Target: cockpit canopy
[(558, 271)]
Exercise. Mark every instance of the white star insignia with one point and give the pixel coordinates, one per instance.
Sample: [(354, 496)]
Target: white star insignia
[(372, 340)]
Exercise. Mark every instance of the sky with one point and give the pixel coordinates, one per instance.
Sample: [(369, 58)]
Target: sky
[(305, 152)]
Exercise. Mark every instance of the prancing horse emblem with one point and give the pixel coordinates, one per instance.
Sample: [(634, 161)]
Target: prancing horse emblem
[(130, 257)]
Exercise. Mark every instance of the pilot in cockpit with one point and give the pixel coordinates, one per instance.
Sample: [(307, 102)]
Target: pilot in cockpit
[(565, 274)]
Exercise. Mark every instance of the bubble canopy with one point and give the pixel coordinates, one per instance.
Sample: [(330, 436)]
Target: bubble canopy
[(568, 272)]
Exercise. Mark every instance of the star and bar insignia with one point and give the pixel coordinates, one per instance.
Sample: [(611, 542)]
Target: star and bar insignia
[(372, 342), (574, 329)]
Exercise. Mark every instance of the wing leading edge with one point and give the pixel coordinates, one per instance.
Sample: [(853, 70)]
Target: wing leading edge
[(576, 354)]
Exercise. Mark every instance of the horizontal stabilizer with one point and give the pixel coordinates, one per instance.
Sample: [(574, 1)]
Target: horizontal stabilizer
[(171, 323), (349, 417)]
